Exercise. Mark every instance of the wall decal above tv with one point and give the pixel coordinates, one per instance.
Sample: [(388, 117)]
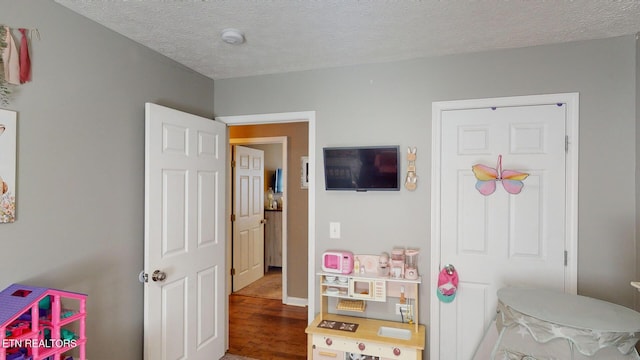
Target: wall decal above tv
[(362, 168)]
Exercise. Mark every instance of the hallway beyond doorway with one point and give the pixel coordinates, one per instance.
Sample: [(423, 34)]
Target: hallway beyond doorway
[(269, 286)]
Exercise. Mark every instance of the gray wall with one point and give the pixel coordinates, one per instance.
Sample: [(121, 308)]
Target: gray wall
[(391, 104), (80, 179)]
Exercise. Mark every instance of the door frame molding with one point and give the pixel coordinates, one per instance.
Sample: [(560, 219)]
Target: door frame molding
[(278, 118), (571, 189), (282, 141)]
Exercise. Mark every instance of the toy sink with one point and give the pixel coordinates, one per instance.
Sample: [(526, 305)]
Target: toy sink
[(395, 333)]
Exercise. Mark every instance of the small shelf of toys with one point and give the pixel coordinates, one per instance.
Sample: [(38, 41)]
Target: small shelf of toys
[(42, 324)]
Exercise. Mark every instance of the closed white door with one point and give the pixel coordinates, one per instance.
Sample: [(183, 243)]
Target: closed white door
[(501, 239), (184, 313), (248, 209)]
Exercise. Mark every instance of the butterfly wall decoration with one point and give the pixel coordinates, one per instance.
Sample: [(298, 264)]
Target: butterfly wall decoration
[(488, 177)]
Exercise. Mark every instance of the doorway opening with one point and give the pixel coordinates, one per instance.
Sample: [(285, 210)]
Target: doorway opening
[(294, 295), (275, 213)]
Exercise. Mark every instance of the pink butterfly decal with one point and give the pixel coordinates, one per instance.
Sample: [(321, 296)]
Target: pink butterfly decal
[(487, 177)]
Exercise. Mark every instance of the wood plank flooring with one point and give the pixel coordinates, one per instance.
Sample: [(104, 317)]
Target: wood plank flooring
[(266, 329), (269, 286)]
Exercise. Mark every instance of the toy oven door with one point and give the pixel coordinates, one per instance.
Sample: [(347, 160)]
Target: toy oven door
[(361, 288)]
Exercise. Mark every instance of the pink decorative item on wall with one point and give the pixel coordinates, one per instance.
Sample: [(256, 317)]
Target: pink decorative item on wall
[(411, 181), (16, 60)]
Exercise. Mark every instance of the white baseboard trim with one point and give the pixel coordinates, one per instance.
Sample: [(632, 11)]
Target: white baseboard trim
[(296, 301)]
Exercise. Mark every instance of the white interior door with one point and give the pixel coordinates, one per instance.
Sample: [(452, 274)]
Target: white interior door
[(501, 239), (184, 314), (248, 208)]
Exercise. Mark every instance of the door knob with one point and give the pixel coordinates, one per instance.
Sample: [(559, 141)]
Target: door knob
[(263, 221), (158, 276), (450, 269)]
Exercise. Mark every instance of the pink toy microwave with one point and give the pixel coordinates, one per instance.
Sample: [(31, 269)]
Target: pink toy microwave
[(340, 262)]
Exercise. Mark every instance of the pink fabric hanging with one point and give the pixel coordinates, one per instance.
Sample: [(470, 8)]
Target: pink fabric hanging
[(11, 60), (25, 61), (447, 284)]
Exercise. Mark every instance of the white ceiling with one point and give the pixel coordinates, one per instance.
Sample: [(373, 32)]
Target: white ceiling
[(288, 35)]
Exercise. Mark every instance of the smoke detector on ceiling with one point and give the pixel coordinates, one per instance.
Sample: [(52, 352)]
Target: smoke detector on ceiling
[(232, 36)]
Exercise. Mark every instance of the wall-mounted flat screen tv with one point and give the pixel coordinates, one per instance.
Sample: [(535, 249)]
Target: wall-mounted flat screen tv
[(363, 168)]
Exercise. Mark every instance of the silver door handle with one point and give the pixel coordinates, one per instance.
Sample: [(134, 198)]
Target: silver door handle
[(263, 221), (158, 276), (450, 269)]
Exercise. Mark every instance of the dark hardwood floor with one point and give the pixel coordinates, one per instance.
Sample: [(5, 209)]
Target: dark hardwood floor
[(266, 329)]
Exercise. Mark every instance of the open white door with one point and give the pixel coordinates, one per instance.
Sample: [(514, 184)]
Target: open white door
[(184, 296), (248, 211), (501, 239)]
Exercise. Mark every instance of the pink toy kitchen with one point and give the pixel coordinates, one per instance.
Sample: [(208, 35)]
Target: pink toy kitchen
[(368, 307)]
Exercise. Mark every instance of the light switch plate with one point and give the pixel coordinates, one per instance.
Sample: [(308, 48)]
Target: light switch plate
[(334, 230)]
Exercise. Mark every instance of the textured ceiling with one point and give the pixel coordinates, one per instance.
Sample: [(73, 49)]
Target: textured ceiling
[(288, 35)]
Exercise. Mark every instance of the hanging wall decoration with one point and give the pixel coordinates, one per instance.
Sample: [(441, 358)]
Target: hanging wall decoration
[(7, 166), (15, 60), (487, 177), (411, 181)]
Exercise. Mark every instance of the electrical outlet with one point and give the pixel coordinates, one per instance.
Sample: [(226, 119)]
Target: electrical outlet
[(405, 308)]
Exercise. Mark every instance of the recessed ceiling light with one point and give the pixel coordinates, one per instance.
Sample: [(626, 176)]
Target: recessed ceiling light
[(232, 36)]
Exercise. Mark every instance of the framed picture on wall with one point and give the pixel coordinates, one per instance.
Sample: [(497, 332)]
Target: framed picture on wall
[(7, 166), (304, 172)]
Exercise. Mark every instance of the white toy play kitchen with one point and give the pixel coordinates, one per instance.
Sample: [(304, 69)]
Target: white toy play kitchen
[(345, 329)]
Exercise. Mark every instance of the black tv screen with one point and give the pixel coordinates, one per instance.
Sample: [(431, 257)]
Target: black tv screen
[(362, 168)]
